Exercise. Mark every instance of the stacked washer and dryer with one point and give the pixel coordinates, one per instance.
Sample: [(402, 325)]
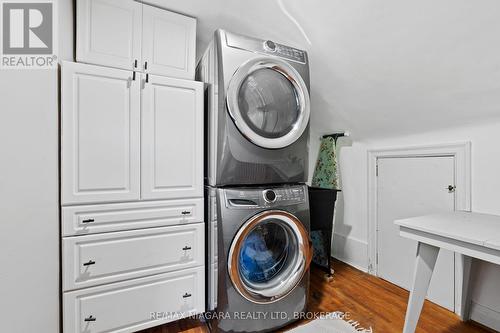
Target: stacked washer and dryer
[(257, 209)]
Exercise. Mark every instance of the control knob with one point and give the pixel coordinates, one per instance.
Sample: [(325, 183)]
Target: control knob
[(269, 196), (269, 45)]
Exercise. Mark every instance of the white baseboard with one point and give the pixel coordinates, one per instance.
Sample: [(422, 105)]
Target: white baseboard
[(350, 250), (485, 316)]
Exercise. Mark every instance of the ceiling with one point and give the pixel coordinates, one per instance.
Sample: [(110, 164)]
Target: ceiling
[(378, 68)]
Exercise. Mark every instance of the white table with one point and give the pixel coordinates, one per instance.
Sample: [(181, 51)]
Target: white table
[(471, 234)]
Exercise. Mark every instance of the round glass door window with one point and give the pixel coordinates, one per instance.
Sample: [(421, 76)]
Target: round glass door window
[(268, 102), (269, 256), (264, 253)]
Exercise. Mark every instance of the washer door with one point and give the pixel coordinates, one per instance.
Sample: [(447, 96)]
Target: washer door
[(269, 256), (269, 102)]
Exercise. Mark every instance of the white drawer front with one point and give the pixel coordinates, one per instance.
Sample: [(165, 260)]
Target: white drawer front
[(97, 259), (133, 305), (90, 219)]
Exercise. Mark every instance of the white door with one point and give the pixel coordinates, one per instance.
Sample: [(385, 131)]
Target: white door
[(168, 43), (410, 187), (109, 33), (100, 134), (172, 138)]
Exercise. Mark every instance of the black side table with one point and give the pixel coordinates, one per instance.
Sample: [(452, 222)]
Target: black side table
[(322, 206)]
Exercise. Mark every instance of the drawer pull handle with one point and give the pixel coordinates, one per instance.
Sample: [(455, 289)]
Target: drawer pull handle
[(88, 263), (88, 221), (185, 248), (185, 212), (186, 295), (90, 318)]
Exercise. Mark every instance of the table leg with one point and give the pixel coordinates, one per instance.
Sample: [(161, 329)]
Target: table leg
[(464, 311), (424, 265)]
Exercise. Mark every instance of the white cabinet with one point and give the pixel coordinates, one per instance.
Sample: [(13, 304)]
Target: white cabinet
[(168, 43), (130, 35), (172, 138), (133, 305), (133, 236), (100, 134), (109, 32)]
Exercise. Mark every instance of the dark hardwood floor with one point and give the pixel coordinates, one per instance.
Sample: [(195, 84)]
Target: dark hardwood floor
[(371, 301)]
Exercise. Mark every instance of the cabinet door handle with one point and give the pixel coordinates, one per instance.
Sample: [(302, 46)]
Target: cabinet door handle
[(88, 263), (90, 318), (185, 248), (147, 78), (135, 63), (186, 295), (133, 76), (145, 65), (88, 220), (185, 212)]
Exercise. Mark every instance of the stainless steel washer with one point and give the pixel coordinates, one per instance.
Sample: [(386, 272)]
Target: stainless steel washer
[(263, 257), (258, 108)]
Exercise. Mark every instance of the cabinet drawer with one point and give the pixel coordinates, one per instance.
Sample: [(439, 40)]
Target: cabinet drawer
[(135, 304), (89, 219), (98, 259)]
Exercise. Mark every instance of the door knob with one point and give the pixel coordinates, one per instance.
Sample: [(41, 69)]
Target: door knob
[(451, 188)]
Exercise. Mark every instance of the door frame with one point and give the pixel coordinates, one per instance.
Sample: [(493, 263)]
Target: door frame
[(461, 152)]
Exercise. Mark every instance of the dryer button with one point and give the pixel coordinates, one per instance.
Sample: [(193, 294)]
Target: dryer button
[(270, 46)]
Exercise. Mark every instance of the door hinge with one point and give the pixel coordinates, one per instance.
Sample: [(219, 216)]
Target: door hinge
[(376, 169)]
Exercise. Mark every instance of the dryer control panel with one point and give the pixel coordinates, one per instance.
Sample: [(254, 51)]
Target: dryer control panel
[(265, 197), (266, 47)]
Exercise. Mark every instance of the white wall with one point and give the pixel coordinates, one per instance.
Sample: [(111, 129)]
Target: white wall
[(29, 201), (29, 193), (351, 226)]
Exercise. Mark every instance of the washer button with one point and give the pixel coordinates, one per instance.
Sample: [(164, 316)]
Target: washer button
[(269, 196)]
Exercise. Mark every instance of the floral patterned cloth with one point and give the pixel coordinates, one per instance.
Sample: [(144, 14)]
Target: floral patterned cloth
[(325, 173)]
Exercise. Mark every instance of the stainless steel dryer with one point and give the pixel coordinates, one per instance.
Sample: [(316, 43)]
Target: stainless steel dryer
[(257, 116), (263, 257)]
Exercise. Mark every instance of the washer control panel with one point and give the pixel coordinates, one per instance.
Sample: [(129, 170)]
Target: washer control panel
[(265, 197)]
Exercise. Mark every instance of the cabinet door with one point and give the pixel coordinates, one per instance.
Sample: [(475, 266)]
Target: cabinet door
[(168, 43), (109, 32), (117, 256), (100, 134), (172, 138), (137, 304)]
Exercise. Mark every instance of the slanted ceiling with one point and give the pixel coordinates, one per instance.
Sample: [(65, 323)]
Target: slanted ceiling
[(378, 68)]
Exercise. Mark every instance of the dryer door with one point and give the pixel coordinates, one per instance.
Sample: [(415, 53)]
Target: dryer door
[(269, 256), (269, 102)]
